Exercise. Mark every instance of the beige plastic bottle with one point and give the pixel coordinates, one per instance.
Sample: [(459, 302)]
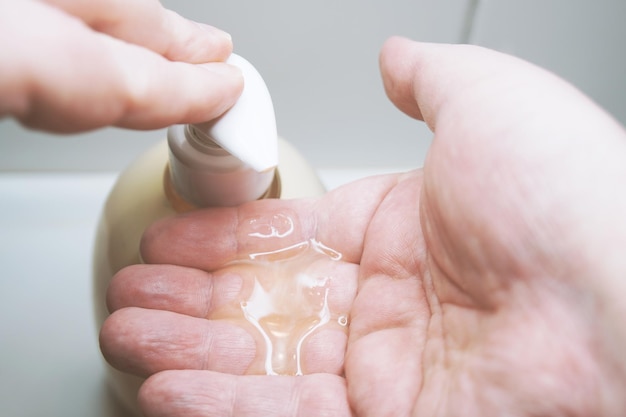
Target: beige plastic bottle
[(225, 162)]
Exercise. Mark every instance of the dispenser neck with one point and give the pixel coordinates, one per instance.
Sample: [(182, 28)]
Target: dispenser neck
[(203, 142), (203, 174)]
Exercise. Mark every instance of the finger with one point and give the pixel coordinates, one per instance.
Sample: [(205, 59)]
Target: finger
[(196, 393), (209, 238), (391, 315), (74, 79), (177, 289), (205, 295), (143, 342), (147, 23)]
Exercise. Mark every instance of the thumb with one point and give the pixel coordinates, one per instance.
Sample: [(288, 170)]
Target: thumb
[(433, 81), (520, 156), (399, 64), (424, 80), (420, 78)]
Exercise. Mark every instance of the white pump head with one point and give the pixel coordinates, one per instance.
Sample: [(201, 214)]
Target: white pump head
[(248, 129), (229, 160)]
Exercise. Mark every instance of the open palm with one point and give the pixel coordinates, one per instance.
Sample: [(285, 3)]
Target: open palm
[(483, 285)]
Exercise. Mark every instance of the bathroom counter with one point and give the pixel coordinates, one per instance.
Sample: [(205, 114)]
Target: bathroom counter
[(50, 364)]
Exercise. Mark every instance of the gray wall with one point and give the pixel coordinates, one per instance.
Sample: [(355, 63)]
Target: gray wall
[(319, 60)]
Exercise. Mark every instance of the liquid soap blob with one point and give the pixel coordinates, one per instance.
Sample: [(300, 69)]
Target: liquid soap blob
[(284, 300)]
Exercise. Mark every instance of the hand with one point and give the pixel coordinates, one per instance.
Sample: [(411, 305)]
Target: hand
[(71, 65), (487, 284)]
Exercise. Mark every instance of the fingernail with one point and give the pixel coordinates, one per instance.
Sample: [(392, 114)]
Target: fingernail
[(223, 69)]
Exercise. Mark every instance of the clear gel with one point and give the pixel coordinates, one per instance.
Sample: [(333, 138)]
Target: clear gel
[(284, 299)]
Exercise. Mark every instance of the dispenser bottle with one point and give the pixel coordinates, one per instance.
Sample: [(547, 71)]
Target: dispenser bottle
[(224, 162)]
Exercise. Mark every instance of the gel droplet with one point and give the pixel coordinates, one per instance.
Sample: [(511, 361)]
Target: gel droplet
[(285, 302), (276, 225)]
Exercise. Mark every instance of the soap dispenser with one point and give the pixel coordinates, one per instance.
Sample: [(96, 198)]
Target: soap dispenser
[(233, 159)]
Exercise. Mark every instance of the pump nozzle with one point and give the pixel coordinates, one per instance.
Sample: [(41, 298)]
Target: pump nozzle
[(248, 129), (229, 160)]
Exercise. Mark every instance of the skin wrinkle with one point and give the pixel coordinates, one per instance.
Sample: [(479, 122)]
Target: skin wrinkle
[(113, 23), (137, 88), (386, 320), (326, 357), (434, 319), (181, 345), (367, 234), (206, 296), (432, 301), (382, 189), (171, 48), (430, 220), (206, 345), (235, 395), (397, 271), (235, 245), (295, 405)]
